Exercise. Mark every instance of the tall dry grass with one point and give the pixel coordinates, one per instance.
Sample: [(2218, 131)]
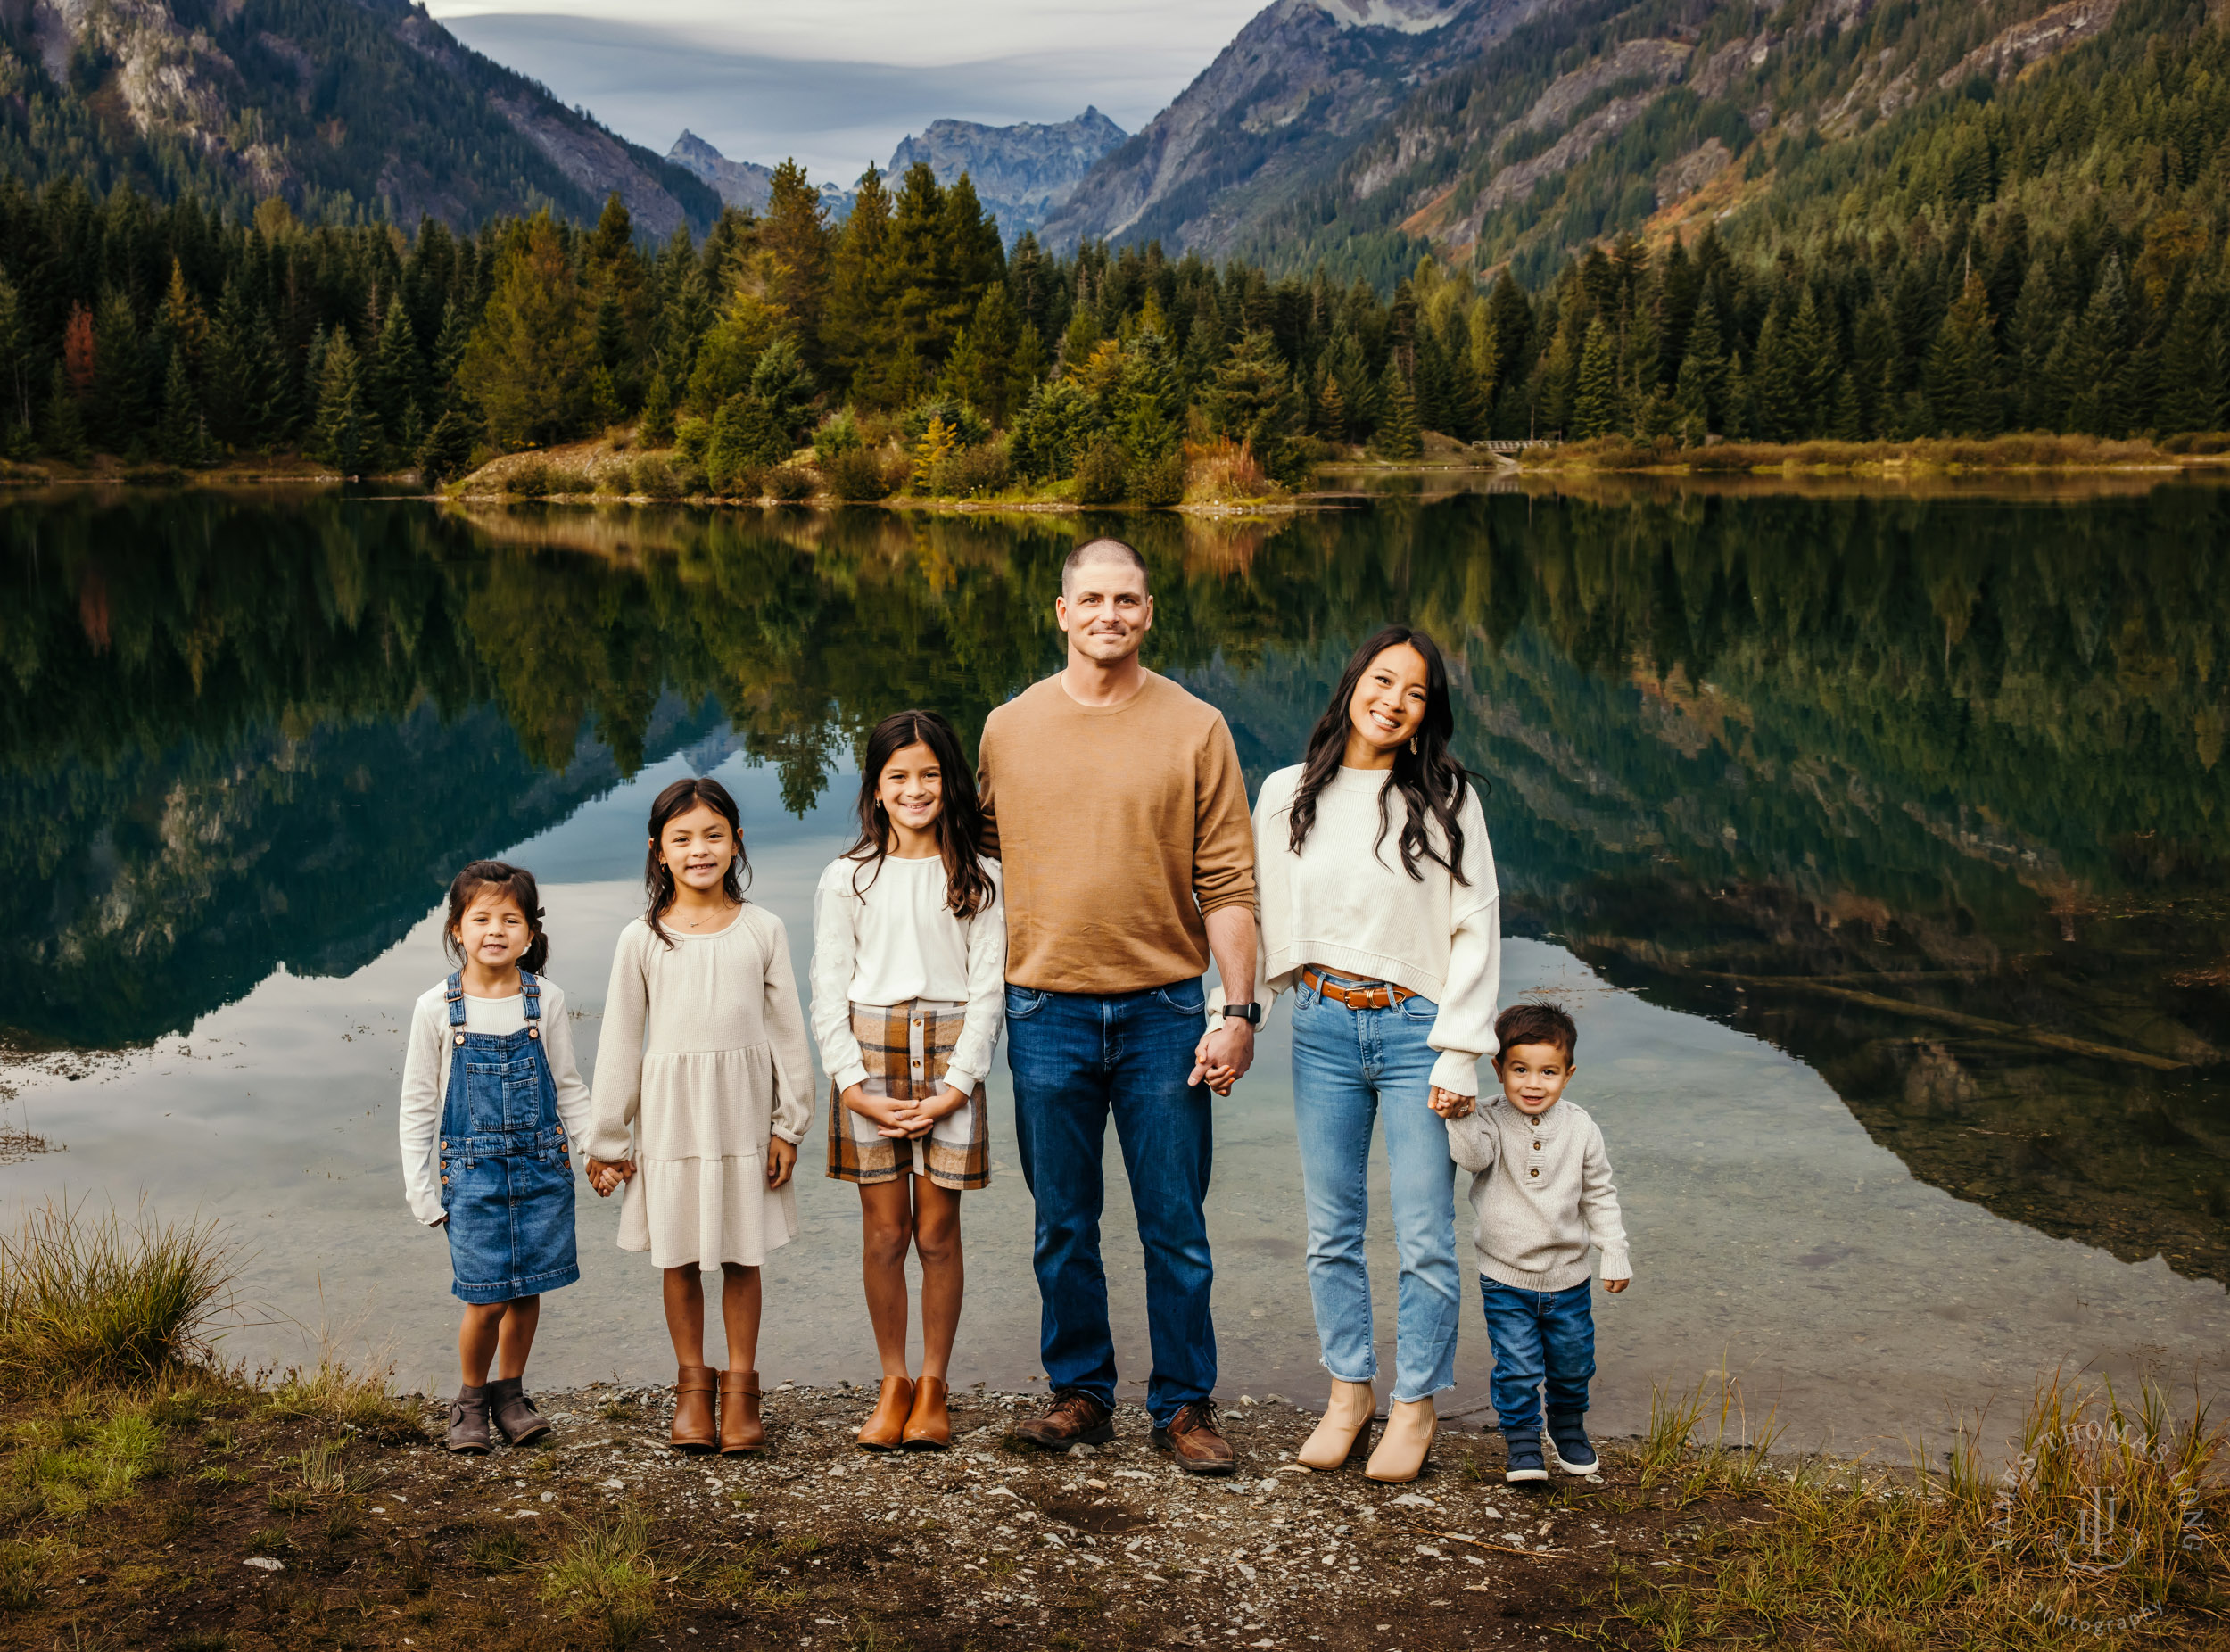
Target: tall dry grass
[(93, 1300), (2105, 1531), (1224, 471)]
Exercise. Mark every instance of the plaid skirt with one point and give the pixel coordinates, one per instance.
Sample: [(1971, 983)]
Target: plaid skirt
[(907, 1047)]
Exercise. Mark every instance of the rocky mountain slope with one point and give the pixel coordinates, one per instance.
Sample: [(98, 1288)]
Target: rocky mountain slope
[(744, 185), (1022, 173), (359, 107), (1359, 132)]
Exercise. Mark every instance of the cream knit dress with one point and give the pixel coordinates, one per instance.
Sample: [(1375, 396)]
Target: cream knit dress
[(703, 1057)]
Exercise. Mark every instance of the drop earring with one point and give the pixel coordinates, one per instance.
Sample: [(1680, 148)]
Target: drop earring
[(1413, 744)]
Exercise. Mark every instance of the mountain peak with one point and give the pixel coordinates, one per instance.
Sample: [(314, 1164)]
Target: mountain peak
[(1022, 173), (1409, 17)]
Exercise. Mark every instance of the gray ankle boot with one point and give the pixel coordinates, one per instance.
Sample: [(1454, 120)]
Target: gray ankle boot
[(468, 1422), (515, 1413)]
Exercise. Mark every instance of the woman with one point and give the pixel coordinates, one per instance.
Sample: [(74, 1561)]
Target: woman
[(1380, 914)]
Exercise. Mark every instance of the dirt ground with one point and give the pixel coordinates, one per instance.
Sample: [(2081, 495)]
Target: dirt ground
[(261, 1534)]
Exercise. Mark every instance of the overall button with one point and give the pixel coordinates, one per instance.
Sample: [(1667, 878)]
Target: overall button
[(533, 1032), (460, 1037)]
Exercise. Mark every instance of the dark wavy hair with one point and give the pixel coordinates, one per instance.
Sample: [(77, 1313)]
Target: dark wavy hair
[(679, 799), (1431, 781), (959, 823), (515, 881)]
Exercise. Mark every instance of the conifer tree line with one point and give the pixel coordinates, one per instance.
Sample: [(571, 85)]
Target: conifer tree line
[(2051, 257)]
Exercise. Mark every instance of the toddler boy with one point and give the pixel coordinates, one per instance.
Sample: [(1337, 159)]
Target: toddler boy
[(1541, 1189)]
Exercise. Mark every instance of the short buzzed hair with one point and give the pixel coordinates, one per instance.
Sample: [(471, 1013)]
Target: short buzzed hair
[(1538, 1021), (1098, 550)]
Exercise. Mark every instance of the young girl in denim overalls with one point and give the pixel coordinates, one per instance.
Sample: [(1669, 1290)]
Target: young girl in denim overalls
[(490, 1098)]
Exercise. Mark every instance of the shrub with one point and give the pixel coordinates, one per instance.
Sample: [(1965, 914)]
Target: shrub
[(564, 480), (791, 483), (691, 437), (1226, 470), (972, 472), (528, 481), (839, 433), (692, 480), (968, 428), (1156, 480), (363, 1399), (1101, 469), (862, 474), (615, 479), (85, 1300), (655, 477)]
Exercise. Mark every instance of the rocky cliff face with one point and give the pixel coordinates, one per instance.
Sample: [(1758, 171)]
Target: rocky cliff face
[(744, 185), (1354, 131), (1022, 173), (369, 103)]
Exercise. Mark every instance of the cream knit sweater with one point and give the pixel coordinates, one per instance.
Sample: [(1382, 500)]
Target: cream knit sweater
[(1542, 1192), (1340, 905)]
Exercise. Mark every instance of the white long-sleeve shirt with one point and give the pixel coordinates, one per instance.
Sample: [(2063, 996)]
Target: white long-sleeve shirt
[(1542, 1191), (425, 1067), (1346, 908), (896, 941)]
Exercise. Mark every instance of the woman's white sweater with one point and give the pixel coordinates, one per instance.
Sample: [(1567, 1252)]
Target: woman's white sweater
[(1348, 906), (1542, 1191)]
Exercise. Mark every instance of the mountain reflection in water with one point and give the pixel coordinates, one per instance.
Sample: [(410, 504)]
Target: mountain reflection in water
[(1926, 791)]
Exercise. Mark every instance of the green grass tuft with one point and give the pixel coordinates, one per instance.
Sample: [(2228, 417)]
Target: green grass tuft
[(604, 1574), (90, 1300)]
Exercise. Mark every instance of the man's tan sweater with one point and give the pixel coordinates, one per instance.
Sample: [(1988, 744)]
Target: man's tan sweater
[(1117, 829)]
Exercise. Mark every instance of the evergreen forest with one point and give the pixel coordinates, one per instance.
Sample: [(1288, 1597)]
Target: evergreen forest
[(2047, 254)]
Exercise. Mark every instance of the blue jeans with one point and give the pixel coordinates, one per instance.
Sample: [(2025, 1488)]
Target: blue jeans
[(1538, 1335), (1352, 1068), (1076, 1057)]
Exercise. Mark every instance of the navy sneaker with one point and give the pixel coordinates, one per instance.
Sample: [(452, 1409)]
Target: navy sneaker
[(1525, 1462), (1568, 1438)]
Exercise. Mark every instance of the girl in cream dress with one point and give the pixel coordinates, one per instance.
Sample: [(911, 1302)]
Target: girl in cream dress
[(703, 1091)]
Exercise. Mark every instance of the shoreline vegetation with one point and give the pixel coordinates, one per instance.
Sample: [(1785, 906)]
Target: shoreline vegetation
[(150, 1496), (1219, 479)]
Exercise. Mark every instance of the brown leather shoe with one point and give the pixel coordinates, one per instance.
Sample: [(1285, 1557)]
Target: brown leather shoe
[(929, 1424), (693, 1389), (740, 1426), (1075, 1419), (1193, 1438), (887, 1425)]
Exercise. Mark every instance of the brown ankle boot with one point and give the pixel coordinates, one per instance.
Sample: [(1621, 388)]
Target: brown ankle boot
[(883, 1431), (693, 1389), (741, 1427), (929, 1424)]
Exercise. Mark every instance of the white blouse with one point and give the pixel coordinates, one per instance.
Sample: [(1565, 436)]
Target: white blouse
[(1342, 905), (896, 941), (426, 1065)]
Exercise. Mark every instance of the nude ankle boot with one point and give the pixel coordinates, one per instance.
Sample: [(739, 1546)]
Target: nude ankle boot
[(886, 1426), (1346, 1419), (1407, 1436)]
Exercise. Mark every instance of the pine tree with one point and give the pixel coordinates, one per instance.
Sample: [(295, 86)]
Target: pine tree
[(1331, 410), (2191, 391), (446, 453), (794, 236), (1700, 390), (657, 428), (1774, 386), (1848, 421), (117, 409), (528, 364), (1595, 405), (1691, 401), (181, 437), (1253, 403), (15, 370), (343, 436), (245, 379), (63, 426), (1814, 363), (1961, 372), (1398, 437), (392, 382), (2098, 364)]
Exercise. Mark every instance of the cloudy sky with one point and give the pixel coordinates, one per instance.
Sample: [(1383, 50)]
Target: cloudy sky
[(837, 83)]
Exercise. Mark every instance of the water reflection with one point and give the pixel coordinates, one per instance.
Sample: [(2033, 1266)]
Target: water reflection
[(1925, 791)]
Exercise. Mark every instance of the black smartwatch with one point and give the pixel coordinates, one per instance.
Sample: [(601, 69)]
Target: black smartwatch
[(1250, 1013)]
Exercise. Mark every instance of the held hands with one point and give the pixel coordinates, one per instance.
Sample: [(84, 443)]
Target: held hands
[(902, 1120), (605, 1175), (1451, 1105), (1222, 1057)]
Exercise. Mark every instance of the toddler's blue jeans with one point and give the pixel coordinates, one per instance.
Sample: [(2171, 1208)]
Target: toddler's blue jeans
[(1538, 1337)]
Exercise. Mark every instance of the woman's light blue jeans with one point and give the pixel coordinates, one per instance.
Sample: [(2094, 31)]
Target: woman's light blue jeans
[(1352, 1068)]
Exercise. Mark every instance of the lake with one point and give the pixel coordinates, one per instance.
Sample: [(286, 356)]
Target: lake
[(1879, 839)]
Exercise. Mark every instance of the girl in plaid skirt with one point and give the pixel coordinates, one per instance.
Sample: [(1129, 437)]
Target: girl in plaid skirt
[(909, 971)]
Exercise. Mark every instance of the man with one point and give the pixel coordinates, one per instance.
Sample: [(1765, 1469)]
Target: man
[(1115, 801)]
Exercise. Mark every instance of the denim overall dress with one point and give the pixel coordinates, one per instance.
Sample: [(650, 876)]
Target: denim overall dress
[(505, 1181)]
